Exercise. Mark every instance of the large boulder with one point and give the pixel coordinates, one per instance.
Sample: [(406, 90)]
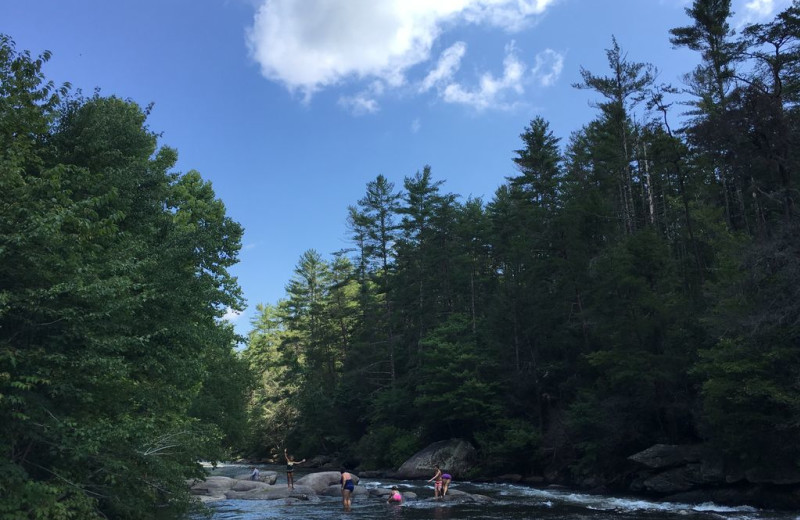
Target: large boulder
[(661, 456), (454, 495), (336, 491), (248, 485), (320, 480), (677, 468), (270, 477), (213, 486), (675, 480), (273, 493), (454, 456)]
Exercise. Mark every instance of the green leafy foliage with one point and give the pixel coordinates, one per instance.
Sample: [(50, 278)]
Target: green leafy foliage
[(455, 392), (509, 445), (387, 446), (750, 389), (113, 277)]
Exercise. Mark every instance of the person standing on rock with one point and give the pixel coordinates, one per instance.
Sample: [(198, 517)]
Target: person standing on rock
[(347, 488), (437, 481), (290, 464)]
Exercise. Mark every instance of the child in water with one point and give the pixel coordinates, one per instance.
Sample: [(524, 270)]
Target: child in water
[(437, 481), (395, 497)]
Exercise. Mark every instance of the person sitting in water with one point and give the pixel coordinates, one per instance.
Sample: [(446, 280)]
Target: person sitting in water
[(255, 474), (395, 497)]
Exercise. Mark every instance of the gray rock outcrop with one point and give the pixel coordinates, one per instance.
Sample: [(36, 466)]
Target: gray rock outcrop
[(660, 456), (336, 491), (454, 495), (309, 488), (213, 486), (273, 493), (455, 456), (270, 477), (697, 473), (321, 480)]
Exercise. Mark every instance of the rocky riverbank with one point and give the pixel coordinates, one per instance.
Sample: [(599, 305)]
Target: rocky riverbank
[(311, 487), (674, 473)]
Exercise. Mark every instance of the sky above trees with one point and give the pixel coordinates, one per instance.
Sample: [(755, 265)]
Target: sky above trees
[(289, 108)]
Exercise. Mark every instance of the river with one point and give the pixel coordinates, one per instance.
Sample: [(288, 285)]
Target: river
[(509, 502)]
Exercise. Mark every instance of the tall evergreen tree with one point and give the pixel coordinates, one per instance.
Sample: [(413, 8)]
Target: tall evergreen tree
[(623, 89), (272, 407), (711, 83), (377, 232)]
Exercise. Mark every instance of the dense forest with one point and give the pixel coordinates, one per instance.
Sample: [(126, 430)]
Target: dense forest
[(636, 284), (113, 280), (633, 284)]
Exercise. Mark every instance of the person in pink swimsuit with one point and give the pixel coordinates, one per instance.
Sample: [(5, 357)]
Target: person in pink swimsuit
[(437, 481), (395, 497)]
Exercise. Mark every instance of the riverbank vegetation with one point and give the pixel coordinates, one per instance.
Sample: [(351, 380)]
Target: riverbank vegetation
[(634, 284), (113, 280)]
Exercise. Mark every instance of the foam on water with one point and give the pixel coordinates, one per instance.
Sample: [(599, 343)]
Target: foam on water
[(510, 501), (617, 504)]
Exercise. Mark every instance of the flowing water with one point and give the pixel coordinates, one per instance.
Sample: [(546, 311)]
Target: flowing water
[(509, 502)]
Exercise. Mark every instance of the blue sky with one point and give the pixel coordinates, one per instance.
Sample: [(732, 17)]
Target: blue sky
[(289, 107)]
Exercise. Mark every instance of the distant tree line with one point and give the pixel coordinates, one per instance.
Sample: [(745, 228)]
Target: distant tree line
[(113, 279), (637, 284)]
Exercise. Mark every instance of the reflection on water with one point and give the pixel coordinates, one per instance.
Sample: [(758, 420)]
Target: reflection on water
[(508, 502)]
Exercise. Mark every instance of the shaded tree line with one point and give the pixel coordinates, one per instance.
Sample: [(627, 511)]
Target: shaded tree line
[(636, 284), (113, 281)]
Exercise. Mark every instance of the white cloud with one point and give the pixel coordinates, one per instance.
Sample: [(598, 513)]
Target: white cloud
[(360, 104), (416, 124), (510, 15), (756, 11), (759, 8), (231, 315), (308, 45), (448, 64), (490, 91), (549, 65), (364, 102)]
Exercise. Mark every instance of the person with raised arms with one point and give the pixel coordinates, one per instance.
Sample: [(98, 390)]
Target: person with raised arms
[(290, 464)]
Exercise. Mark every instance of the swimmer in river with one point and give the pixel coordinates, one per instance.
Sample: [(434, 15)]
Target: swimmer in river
[(395, 497)]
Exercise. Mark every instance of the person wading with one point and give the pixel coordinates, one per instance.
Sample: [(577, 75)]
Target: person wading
[(347, 488)]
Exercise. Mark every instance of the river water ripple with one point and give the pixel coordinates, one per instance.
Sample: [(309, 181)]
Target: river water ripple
[(510, 501)]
